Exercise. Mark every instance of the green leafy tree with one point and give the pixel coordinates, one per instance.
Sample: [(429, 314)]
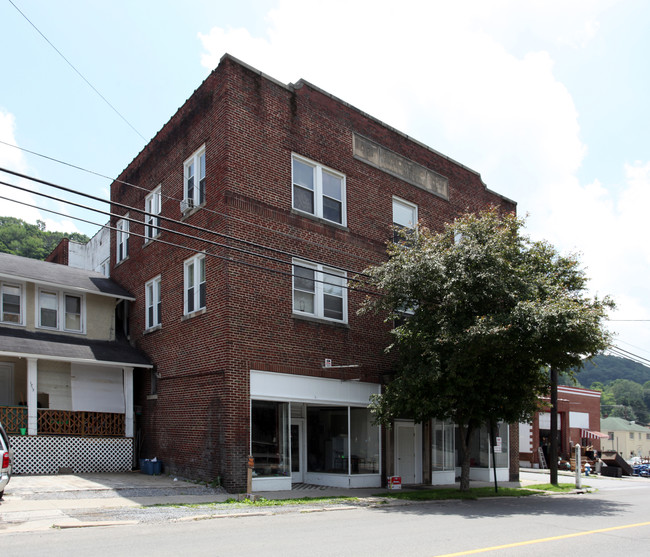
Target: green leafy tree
[(31, 240), (480, 313)]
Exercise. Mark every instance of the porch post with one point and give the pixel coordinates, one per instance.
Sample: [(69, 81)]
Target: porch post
[(32, 396), (128, 401)]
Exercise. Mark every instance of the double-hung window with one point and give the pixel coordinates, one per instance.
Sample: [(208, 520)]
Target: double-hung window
[(194, 180), (60, 311), (122, 243), (11, 301), (152, 207), (318, 190), (319, 291), (153, 301), (405, 218), (194, 284)]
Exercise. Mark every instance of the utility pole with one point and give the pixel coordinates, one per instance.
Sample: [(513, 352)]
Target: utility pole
[(552, 455)]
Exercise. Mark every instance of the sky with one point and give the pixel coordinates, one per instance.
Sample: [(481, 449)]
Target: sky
[(546, 99)]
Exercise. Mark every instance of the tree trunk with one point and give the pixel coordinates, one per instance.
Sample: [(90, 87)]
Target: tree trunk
[(466, 433)]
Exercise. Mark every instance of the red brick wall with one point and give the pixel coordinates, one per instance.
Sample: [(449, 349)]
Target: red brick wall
[(60, 253), (250, 125)]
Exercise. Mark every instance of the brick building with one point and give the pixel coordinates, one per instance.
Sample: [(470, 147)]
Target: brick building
[(260, 350), (578, 414)]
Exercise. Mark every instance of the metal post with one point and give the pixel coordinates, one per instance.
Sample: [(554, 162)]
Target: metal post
[(578, 468)]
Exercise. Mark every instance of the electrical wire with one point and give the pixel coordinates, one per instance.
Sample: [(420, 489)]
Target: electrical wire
[(181, 234), (78, 72), (159, 216), (194, 250), (202, 209)]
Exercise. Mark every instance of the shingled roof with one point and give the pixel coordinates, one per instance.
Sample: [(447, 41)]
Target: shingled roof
[(53, 274), (19, 342)]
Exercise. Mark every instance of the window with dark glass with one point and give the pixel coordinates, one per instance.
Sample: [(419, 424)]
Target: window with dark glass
[(317, 190), (270, 438)]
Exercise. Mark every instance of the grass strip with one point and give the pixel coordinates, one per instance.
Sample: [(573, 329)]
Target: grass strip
[(453, 493)]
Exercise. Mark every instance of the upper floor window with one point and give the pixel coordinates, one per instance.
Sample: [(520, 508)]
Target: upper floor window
[(194, 283), (153, 302), (318, 190), (122, 243), (60, 310), (405, 218), (319, 291), (194, 180), (11, 302), (152, 207)]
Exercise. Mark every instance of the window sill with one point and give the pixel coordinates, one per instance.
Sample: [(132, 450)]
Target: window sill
[(150, 241), (193, 314), (152, 397), (152, 329), (62, 331), (118, 263), (12, 324), (319, 320), (319, 219)]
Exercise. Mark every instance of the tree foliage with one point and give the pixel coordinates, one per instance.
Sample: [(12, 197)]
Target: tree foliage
[(31, 240), (487, 312)]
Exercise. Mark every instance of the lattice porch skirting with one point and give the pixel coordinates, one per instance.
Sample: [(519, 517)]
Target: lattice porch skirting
[(46, 455)]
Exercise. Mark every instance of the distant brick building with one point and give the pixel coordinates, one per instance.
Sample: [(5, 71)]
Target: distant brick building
[(261, 350), (578, 423)]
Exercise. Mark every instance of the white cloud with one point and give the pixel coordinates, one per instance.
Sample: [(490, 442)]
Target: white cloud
[(13, 159), (474, 80)]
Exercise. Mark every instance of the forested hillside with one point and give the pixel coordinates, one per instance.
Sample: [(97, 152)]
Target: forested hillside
[(31, 240), (625, 385)]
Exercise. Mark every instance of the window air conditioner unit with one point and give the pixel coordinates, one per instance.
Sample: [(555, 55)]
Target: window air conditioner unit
[(187, 204)]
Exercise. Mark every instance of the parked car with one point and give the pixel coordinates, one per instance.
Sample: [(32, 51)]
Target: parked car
[(6, 457)]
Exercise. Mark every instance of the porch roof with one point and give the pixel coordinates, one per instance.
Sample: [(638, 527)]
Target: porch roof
[(20, 343)]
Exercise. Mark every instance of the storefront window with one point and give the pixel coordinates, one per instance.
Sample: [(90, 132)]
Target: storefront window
[(327, 440), (364, 442), (270, 438), (480, 447), (443, 452)]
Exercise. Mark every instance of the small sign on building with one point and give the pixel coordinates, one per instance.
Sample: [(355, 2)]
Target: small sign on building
[(394, 482), (328, 362), (498, 445)]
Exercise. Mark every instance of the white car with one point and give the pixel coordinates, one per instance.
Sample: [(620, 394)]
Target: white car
[(6, 456)]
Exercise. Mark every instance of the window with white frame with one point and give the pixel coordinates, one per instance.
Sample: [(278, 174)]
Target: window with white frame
[(318, 190), (11, 300), (152, 207), (122, 240), (194, 180), (153, 301), (194, 284), (319, 291), (60, 310), (405, 218)]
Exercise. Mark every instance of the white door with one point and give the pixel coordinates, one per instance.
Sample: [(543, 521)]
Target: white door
[(298, 450), (406, 462), (7, 385)]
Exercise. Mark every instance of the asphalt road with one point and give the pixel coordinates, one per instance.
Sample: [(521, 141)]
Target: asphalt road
[(612, 521)]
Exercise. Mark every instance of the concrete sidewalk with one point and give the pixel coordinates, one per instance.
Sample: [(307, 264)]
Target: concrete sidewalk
[(38, 502)]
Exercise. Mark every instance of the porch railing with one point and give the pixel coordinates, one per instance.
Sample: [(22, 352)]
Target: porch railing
[(64, 422), (13, 418)]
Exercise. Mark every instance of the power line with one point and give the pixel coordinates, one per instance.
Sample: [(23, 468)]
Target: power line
[(77, 71), (194, 250), (203, 209), (159, 216), (164, 229), (629, 355)]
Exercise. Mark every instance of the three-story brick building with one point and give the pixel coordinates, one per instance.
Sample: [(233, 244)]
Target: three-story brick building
[(284, 193)]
